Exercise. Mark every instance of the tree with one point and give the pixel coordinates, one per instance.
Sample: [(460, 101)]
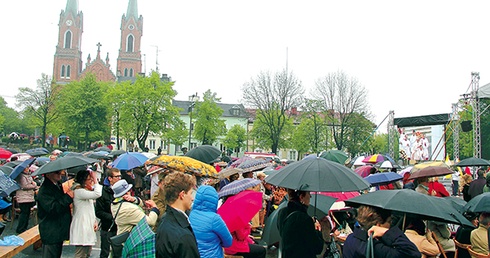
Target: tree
[(85, 113), (358, 132), (343, 98), (303, 137), (235, 138), (209, 126), (275, 99), (146, 106), (40, 103)]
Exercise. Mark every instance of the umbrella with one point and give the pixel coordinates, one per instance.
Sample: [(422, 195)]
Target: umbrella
[(21, 167), (238, 210), (7, 185), (341, 196), (254, 165), (431, 172), (149, 155), (129, 161), (363, 171), (226, 159), (5, 154), (63, 163), (335, 156), (311, 156), (228, 172), (387, 164), (472, 162), (420, 166), (270, 234), (411, 203), (269, 171), (322, 202), (14, 151), (13, 164), (358, 161), (204, 153), (6, 169), (383, 178), (103, 148), (405, 170), (456, 202), (237, 186), (98, 155), (480, 203), (186, 164), (318, 175), (117, 152), (373, 159), (37, 152), (239, 161)]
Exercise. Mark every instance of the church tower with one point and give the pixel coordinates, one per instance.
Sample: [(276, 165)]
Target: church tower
[(67, 64), (129, 59)]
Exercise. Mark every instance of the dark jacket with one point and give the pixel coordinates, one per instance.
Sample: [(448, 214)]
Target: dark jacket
[(393, 244), (53, 212), (103, 209), (476, 187), (175, 237), (298, 235), (463, 235)]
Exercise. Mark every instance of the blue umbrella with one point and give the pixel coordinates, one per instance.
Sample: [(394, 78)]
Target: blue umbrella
[(383, 178), (7, 185), (21, 167), (129, 161)]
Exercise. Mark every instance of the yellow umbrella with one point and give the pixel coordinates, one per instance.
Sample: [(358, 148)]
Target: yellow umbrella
[(186, 164), (428, 164)]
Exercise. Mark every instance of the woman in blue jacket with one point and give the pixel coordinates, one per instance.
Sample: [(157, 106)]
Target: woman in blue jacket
[(209, 228)]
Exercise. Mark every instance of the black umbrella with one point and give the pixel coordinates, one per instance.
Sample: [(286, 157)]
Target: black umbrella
[(204, 153), (271, 235), (411, 203), (480, 203), (335, 156), (117, 152), (103, 148), (13, 164), (319, 175), (473, 162), (36, 153), (64, 163)]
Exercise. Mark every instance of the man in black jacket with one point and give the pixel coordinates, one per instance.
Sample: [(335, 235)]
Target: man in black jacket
[(103, 211), (54, 215), (476, 186)]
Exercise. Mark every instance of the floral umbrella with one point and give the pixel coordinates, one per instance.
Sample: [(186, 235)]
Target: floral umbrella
[(254, 165), (186, 164)]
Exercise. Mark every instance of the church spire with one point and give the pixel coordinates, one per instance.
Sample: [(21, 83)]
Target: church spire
[(132, 10), (72, 7)]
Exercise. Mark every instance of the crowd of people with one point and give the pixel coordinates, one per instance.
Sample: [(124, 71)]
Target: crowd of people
[(181, 215)]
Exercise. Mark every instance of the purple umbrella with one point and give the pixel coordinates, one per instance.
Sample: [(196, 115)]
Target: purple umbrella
[(237, 186)]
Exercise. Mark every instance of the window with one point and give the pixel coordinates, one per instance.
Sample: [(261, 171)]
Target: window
[(67, 39), (63, 71), (292, 155), (68, 71), (152, 144), (129, 43), (125, 72), (162, 144), (131, 72)]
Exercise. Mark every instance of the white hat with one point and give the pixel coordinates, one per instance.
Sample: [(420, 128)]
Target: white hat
[(121, 187)]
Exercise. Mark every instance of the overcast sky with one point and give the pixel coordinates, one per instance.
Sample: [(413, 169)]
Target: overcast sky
[(413, 57)]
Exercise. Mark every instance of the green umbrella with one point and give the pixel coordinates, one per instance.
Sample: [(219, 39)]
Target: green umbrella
[(63, 163), (335, 156), (481, 203), (204, 153), (471, 162), (411, 203), (319, 175)]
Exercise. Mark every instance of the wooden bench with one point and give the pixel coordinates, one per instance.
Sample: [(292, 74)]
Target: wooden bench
[(30, 236)]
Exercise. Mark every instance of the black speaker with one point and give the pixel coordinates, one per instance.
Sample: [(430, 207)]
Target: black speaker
[(466, 126)]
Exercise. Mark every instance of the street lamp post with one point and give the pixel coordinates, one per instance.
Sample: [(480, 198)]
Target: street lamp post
[(192, 99)]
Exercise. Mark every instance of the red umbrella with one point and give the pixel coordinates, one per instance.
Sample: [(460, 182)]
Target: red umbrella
[(5, 154), (363, 171), (239, 209), (374, 159)]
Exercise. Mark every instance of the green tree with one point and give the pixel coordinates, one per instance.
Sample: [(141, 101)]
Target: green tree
[(84, 111), (357, 132), (175, 132), (146, 106), (40, 103), (208, 126), (235, 138), (343, 99), (275, 98), (303, 138), (316, 128)]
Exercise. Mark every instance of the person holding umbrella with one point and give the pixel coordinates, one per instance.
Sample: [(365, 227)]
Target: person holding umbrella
[(301, 235), (387, 241), (53, 212), (25, 198)]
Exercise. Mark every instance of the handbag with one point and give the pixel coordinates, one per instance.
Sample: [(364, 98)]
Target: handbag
[(117, 241), (370, 247)]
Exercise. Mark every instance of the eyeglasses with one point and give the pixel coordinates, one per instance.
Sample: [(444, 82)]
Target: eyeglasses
[(116, 176)]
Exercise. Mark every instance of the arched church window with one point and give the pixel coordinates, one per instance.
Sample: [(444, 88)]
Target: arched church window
[(131, 72), (62, 71), (67, 39), (125, 72), (68, 71), (130, 43)]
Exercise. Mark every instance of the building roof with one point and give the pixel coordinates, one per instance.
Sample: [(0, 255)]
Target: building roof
[(229, 110), (132, 10), (72, 7)]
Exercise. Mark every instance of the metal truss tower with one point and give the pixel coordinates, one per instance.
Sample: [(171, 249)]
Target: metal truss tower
[(475, 104), (391, 134), (455, 122)]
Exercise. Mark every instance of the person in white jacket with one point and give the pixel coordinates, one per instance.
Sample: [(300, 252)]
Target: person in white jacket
[(84, 223)]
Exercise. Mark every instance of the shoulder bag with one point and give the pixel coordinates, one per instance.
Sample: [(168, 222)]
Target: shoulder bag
[(117, 241)]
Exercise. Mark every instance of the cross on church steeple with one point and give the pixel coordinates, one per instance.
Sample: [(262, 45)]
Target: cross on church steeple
[(98, 50)]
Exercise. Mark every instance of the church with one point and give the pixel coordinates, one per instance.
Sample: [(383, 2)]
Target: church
[(68, 65)]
